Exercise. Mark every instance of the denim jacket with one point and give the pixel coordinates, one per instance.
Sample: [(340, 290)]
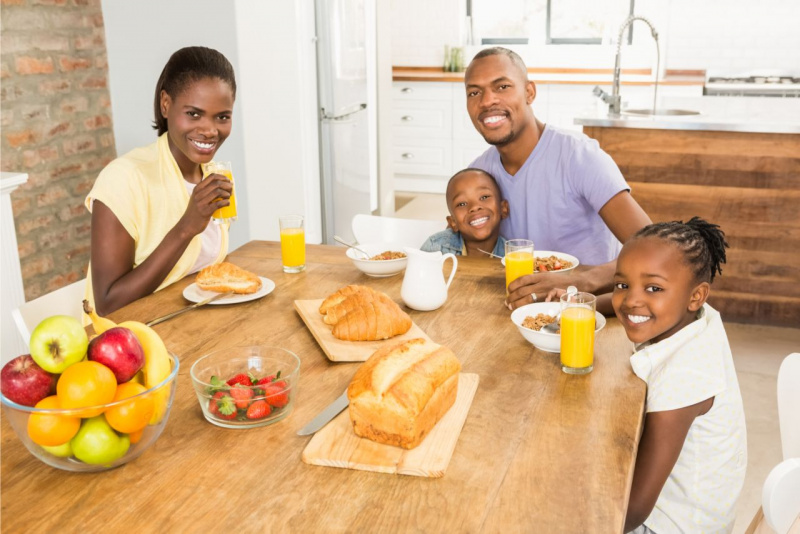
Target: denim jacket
[(452, 242)]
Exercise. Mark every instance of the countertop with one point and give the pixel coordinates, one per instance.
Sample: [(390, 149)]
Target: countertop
[(717, 113), (567, 76)]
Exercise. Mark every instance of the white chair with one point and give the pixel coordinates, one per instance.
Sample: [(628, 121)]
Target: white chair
[(780, 498), (65, 301), (406, 232)]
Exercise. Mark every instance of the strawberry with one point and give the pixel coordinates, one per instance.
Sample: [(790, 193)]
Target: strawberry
[(241, 395), (276, 394), (258, 410), (266, 380), (222, 406), (242, 379)]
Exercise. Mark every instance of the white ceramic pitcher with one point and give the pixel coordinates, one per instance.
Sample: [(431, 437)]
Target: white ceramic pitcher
[(424, 287)]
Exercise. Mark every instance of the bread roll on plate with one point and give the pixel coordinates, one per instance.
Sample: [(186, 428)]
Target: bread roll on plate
[(224, 277), (402, 391)]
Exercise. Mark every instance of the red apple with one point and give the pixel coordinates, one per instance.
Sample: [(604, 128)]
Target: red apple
[(119, 350), (24, 382)]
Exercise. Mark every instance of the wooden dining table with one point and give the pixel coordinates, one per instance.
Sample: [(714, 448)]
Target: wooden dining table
[(540, 450)]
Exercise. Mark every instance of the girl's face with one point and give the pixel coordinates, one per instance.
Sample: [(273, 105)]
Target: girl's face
[(655, 294), (198, 120)]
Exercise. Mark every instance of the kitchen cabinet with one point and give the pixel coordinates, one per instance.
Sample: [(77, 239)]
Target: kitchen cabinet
[(433, 136)]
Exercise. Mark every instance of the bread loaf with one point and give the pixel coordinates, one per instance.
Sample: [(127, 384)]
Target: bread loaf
[(374, 320), (402, 391), (225, 276)]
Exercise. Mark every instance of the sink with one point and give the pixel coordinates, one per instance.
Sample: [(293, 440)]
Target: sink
[(659, 112)]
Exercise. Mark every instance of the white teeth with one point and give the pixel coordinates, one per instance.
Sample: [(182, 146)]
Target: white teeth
[(205, 146), (493, 119), (477, 222), (638, 318)]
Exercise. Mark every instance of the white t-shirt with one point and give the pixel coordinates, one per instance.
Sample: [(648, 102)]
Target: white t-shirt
[(690, 366), (210, 239)]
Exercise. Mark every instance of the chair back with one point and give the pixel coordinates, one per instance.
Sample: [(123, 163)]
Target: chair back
[(65, 301), (405, 232), (788, 404)]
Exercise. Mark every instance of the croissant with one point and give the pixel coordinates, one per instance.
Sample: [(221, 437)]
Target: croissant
[(226, 276), (342, 294), (373, 321), (335, 313)]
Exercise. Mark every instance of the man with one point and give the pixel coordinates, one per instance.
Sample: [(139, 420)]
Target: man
[(564, 192)]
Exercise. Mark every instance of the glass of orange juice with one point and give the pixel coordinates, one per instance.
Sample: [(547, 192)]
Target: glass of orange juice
[(519, 259), (293, 243), (227, 213), (577, 332)]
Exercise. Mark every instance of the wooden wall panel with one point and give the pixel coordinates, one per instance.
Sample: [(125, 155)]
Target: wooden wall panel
[(747, 183)]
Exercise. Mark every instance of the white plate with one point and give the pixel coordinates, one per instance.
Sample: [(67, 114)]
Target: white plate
[(560, 255), (195, 294)]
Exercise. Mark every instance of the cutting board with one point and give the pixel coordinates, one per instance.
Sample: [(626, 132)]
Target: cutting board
[(338, 350), (336, 445)]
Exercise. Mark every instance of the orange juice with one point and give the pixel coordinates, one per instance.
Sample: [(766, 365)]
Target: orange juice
[(518, 263), (577, 338), (293, 247), (228, 212)]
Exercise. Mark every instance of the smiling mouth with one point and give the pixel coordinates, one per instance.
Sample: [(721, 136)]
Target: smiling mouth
[(479, 222), (203, 146), (638, 319), (493, 120)]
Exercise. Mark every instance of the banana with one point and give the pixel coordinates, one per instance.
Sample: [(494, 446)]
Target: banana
[(157, 364), (100, 324)]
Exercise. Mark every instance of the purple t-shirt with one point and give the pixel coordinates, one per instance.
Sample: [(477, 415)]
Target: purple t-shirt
[(556, 195)]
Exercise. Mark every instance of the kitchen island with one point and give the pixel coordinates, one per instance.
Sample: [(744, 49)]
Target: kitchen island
[(540, 450), (736, 164)]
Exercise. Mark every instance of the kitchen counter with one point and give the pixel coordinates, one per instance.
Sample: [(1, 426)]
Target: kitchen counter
[(539, 450), (558, 76), (717, 113)]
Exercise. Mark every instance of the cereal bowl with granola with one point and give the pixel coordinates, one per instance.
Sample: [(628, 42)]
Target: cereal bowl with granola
[(530, 318), (385, 259)]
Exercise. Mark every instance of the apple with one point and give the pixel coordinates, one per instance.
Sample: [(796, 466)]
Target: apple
[(24, 382), (97, 443), (58, 342), (118, 349), (62, 451)]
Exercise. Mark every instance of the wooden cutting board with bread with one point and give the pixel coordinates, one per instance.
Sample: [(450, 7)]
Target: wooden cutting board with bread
[(408, 403), (354, 322)]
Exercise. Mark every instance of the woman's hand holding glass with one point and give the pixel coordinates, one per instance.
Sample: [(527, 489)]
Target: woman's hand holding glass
[(212, 193)]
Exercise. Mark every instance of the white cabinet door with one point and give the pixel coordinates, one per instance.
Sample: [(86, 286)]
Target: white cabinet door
[(422, 119)]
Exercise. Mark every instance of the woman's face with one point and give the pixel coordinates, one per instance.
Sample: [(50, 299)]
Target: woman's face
[(198, 121)]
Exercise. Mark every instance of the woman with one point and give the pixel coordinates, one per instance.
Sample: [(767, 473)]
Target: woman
[(151, 208)]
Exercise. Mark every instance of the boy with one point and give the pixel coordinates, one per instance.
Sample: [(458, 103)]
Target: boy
[(476, 210)]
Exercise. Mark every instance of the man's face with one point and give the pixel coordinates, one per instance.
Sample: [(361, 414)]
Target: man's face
[(499, 96)]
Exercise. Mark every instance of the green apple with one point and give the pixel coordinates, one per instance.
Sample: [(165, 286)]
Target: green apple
[(62, 451), (97, 443), (58, 342)]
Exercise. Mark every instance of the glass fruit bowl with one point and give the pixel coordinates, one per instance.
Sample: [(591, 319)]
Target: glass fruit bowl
[(245, 387), (97, 445)]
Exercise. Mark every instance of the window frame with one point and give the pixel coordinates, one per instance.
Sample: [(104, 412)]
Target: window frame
[(549, 40)]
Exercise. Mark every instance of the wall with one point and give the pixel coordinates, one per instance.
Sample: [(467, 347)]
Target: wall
[(732, 35), (57, 127)]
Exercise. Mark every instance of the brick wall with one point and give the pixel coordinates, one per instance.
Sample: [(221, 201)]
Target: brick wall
[(56, 126)]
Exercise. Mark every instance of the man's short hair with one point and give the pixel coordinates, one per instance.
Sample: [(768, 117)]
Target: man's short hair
[(500, 51)]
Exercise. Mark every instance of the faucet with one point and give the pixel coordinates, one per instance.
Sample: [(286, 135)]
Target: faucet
[(614, 100)]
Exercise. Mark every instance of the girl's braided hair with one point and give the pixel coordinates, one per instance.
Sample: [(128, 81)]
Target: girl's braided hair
[(702, 243)]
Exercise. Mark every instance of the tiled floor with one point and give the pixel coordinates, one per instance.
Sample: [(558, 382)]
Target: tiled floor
[(757, 352)]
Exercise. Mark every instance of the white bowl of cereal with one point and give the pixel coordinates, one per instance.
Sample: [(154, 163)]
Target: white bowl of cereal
[(534, 316), (385, 259)]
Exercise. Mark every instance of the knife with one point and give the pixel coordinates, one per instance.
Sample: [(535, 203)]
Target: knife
[(187, 308), (331, 411)]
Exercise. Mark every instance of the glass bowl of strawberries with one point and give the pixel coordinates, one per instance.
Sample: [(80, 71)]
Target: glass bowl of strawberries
[(245, 387)]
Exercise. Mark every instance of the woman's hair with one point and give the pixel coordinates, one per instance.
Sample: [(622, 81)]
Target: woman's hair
[(702, 244), (185, 67)]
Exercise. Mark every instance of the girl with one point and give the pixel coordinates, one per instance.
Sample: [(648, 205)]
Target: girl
[(692, 455), (151, 208)]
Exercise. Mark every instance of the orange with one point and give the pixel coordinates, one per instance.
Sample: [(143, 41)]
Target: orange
[(133, 415), (86, 383), (51, 429), (135, 436)]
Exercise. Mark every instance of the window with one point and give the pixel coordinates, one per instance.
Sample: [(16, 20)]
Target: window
[(548, 21)]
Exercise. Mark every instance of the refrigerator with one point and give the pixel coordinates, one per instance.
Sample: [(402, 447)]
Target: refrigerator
[(347, 81)]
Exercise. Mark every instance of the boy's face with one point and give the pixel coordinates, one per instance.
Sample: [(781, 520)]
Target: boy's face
[(475, 206), (655, 293)]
